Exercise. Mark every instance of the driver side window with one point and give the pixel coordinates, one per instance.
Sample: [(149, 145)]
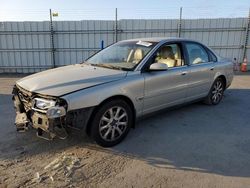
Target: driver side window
[(169, 54)]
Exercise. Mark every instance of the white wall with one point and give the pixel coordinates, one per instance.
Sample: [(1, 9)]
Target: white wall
[(26, 46)]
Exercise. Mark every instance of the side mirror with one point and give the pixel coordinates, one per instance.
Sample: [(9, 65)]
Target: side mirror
[(158, 67)]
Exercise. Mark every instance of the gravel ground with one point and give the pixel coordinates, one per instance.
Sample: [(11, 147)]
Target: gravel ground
[(192, 146)]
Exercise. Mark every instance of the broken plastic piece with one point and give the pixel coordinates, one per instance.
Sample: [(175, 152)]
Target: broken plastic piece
[(49, 135), (21, 122), (37, 177)]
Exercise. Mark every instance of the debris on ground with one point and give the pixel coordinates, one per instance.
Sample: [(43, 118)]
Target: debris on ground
[(37, 177), (62, 166)]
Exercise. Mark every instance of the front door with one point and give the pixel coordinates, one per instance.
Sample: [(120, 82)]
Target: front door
[(166, 88)]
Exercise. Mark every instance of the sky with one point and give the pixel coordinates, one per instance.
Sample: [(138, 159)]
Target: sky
[(38, 10)]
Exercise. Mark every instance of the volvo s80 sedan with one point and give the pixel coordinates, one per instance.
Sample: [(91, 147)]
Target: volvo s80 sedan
[(105, 94)]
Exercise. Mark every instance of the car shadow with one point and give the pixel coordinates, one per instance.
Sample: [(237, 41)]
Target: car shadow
[(196, 137)]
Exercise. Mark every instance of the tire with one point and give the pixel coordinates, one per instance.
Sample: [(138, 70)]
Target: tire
[(216, 92), (111, 123)]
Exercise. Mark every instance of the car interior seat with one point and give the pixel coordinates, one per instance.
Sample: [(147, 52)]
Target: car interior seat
[(138, 55), (167, 56), (178, 57)]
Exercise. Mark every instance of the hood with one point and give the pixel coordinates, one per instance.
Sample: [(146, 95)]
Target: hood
[(67, 79)]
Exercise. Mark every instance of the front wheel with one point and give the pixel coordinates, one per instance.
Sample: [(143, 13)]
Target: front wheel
[(216, 92), (111, 123)]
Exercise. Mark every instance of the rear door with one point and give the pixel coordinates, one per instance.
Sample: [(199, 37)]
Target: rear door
[(201, 71)]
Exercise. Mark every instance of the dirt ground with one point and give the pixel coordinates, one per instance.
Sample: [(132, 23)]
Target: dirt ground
[(193, 146)]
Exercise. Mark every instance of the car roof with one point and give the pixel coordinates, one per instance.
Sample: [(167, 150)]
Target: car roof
[(160, 39)]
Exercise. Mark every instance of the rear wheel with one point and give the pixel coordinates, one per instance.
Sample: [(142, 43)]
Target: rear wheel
[(216, 92), (111, 123)]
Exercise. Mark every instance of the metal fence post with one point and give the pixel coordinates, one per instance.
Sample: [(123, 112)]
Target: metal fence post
[(246, 37), (179, 24), (102, 44), (116, 25), (52, 40)]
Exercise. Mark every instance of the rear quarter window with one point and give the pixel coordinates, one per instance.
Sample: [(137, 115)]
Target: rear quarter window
[(212, 57)]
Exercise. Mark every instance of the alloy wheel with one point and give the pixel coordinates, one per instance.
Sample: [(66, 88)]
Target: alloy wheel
[(217, 91), (113, 123)]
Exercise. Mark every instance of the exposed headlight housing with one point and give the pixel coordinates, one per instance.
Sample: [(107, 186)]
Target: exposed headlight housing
[(43, 104), (56, 112), (52, 108)]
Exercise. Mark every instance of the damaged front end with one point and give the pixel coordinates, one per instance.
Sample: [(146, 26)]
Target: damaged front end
[(45, 113)]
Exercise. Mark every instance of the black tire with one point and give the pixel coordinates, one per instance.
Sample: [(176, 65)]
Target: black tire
[(103, 122), (216, 92)]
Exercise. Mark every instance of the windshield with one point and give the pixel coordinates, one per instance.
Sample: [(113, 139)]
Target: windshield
[(122, 55)]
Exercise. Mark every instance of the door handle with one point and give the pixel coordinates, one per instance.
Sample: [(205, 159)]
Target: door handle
[(184, 73), (212, 68)]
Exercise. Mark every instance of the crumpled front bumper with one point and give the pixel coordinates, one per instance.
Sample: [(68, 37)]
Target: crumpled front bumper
[(26, 117)]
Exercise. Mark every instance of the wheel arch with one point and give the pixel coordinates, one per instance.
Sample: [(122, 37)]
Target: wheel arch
[(221, 76), (121, 97)]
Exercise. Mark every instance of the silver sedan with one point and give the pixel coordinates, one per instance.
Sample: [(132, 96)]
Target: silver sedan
[(105, 94)]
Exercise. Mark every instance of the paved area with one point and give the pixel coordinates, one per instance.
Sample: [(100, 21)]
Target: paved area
[(192, 146)]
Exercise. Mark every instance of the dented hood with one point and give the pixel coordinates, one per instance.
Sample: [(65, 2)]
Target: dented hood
[(67, 79)]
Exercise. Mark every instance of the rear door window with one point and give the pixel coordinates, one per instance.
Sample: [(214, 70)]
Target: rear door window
[(196, 54)]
